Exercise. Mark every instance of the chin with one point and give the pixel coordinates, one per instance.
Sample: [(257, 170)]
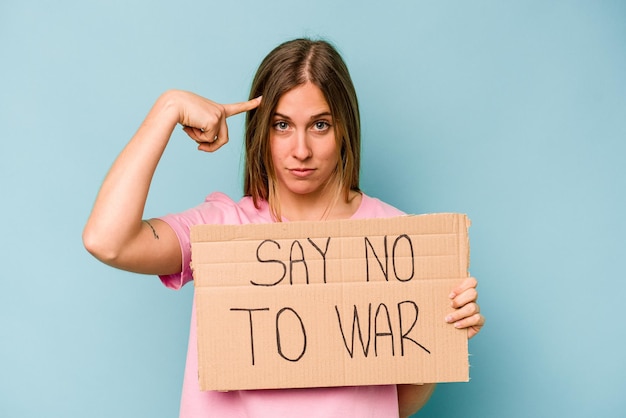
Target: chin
[(303, 190)]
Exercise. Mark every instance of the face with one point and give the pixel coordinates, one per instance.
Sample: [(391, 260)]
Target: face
[(302, 143)]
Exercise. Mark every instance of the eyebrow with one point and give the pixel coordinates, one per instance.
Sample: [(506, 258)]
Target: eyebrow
[(317, 116)]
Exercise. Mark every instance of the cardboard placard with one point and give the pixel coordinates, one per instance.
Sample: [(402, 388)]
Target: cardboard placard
[(333, 303)]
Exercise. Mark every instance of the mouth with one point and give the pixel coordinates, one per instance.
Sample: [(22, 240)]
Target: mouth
[(301, 172)]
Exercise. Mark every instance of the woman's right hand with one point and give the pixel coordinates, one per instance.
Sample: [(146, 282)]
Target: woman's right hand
[(115, 233), (205, 121)]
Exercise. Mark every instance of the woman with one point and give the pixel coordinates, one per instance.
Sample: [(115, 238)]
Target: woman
[(302, 163)]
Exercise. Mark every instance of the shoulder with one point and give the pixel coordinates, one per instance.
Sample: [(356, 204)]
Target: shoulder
[(372, 207), (219, 208), (219, 200)]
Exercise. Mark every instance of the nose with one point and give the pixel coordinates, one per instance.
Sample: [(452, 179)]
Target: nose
[(301, 148)]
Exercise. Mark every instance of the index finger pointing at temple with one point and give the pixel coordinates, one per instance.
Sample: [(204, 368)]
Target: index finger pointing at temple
[(236, 108)]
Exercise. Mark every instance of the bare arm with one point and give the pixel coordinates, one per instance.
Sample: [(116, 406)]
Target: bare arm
[(115, 232), (411, 398)]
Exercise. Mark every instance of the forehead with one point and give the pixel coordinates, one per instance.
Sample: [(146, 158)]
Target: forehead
[(302, 100)]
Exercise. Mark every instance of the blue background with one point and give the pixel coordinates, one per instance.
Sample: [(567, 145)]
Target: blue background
[(511, 112)]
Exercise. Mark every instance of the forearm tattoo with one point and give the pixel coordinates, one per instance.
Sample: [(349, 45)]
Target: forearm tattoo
[(156, 236)]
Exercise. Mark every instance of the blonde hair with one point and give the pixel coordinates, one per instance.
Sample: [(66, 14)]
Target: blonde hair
[(289, 65)]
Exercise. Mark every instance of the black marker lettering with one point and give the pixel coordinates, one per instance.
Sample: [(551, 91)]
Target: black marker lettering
[(403, 335), (251, 325), (367, 263), (278, 340), (293, 261), (323, 254), (258, 257), (393, 258), (377, 334), (356, 326)]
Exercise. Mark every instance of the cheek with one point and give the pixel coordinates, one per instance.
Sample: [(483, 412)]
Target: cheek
[(278, 155), (331, 151), (274, 149)]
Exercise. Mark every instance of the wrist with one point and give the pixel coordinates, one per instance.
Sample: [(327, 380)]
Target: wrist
[(168, 107)]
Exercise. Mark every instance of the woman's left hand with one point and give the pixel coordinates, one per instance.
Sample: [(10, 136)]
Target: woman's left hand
[(467, 314)]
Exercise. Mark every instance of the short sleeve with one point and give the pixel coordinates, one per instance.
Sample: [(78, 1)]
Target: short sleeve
[(372, 207), (182, 230), (217, 208)]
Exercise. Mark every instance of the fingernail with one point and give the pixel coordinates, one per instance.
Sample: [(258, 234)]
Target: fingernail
[(452, 295), (449, 318)]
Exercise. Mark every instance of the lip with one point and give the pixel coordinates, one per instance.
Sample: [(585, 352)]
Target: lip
[(301, 172)]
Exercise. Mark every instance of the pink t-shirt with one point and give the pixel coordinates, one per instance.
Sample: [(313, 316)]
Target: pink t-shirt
[(361, 401)]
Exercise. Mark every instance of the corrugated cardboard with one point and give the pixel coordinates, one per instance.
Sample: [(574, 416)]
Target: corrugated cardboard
[(334, 303)]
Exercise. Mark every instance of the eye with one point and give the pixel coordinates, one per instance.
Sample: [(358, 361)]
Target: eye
[(281, 125), (321, 125)]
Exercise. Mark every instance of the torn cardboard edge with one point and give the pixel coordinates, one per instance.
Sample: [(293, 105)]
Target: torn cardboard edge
[(333, 303)]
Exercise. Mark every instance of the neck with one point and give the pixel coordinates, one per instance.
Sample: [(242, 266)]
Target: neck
[(326, 205)]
